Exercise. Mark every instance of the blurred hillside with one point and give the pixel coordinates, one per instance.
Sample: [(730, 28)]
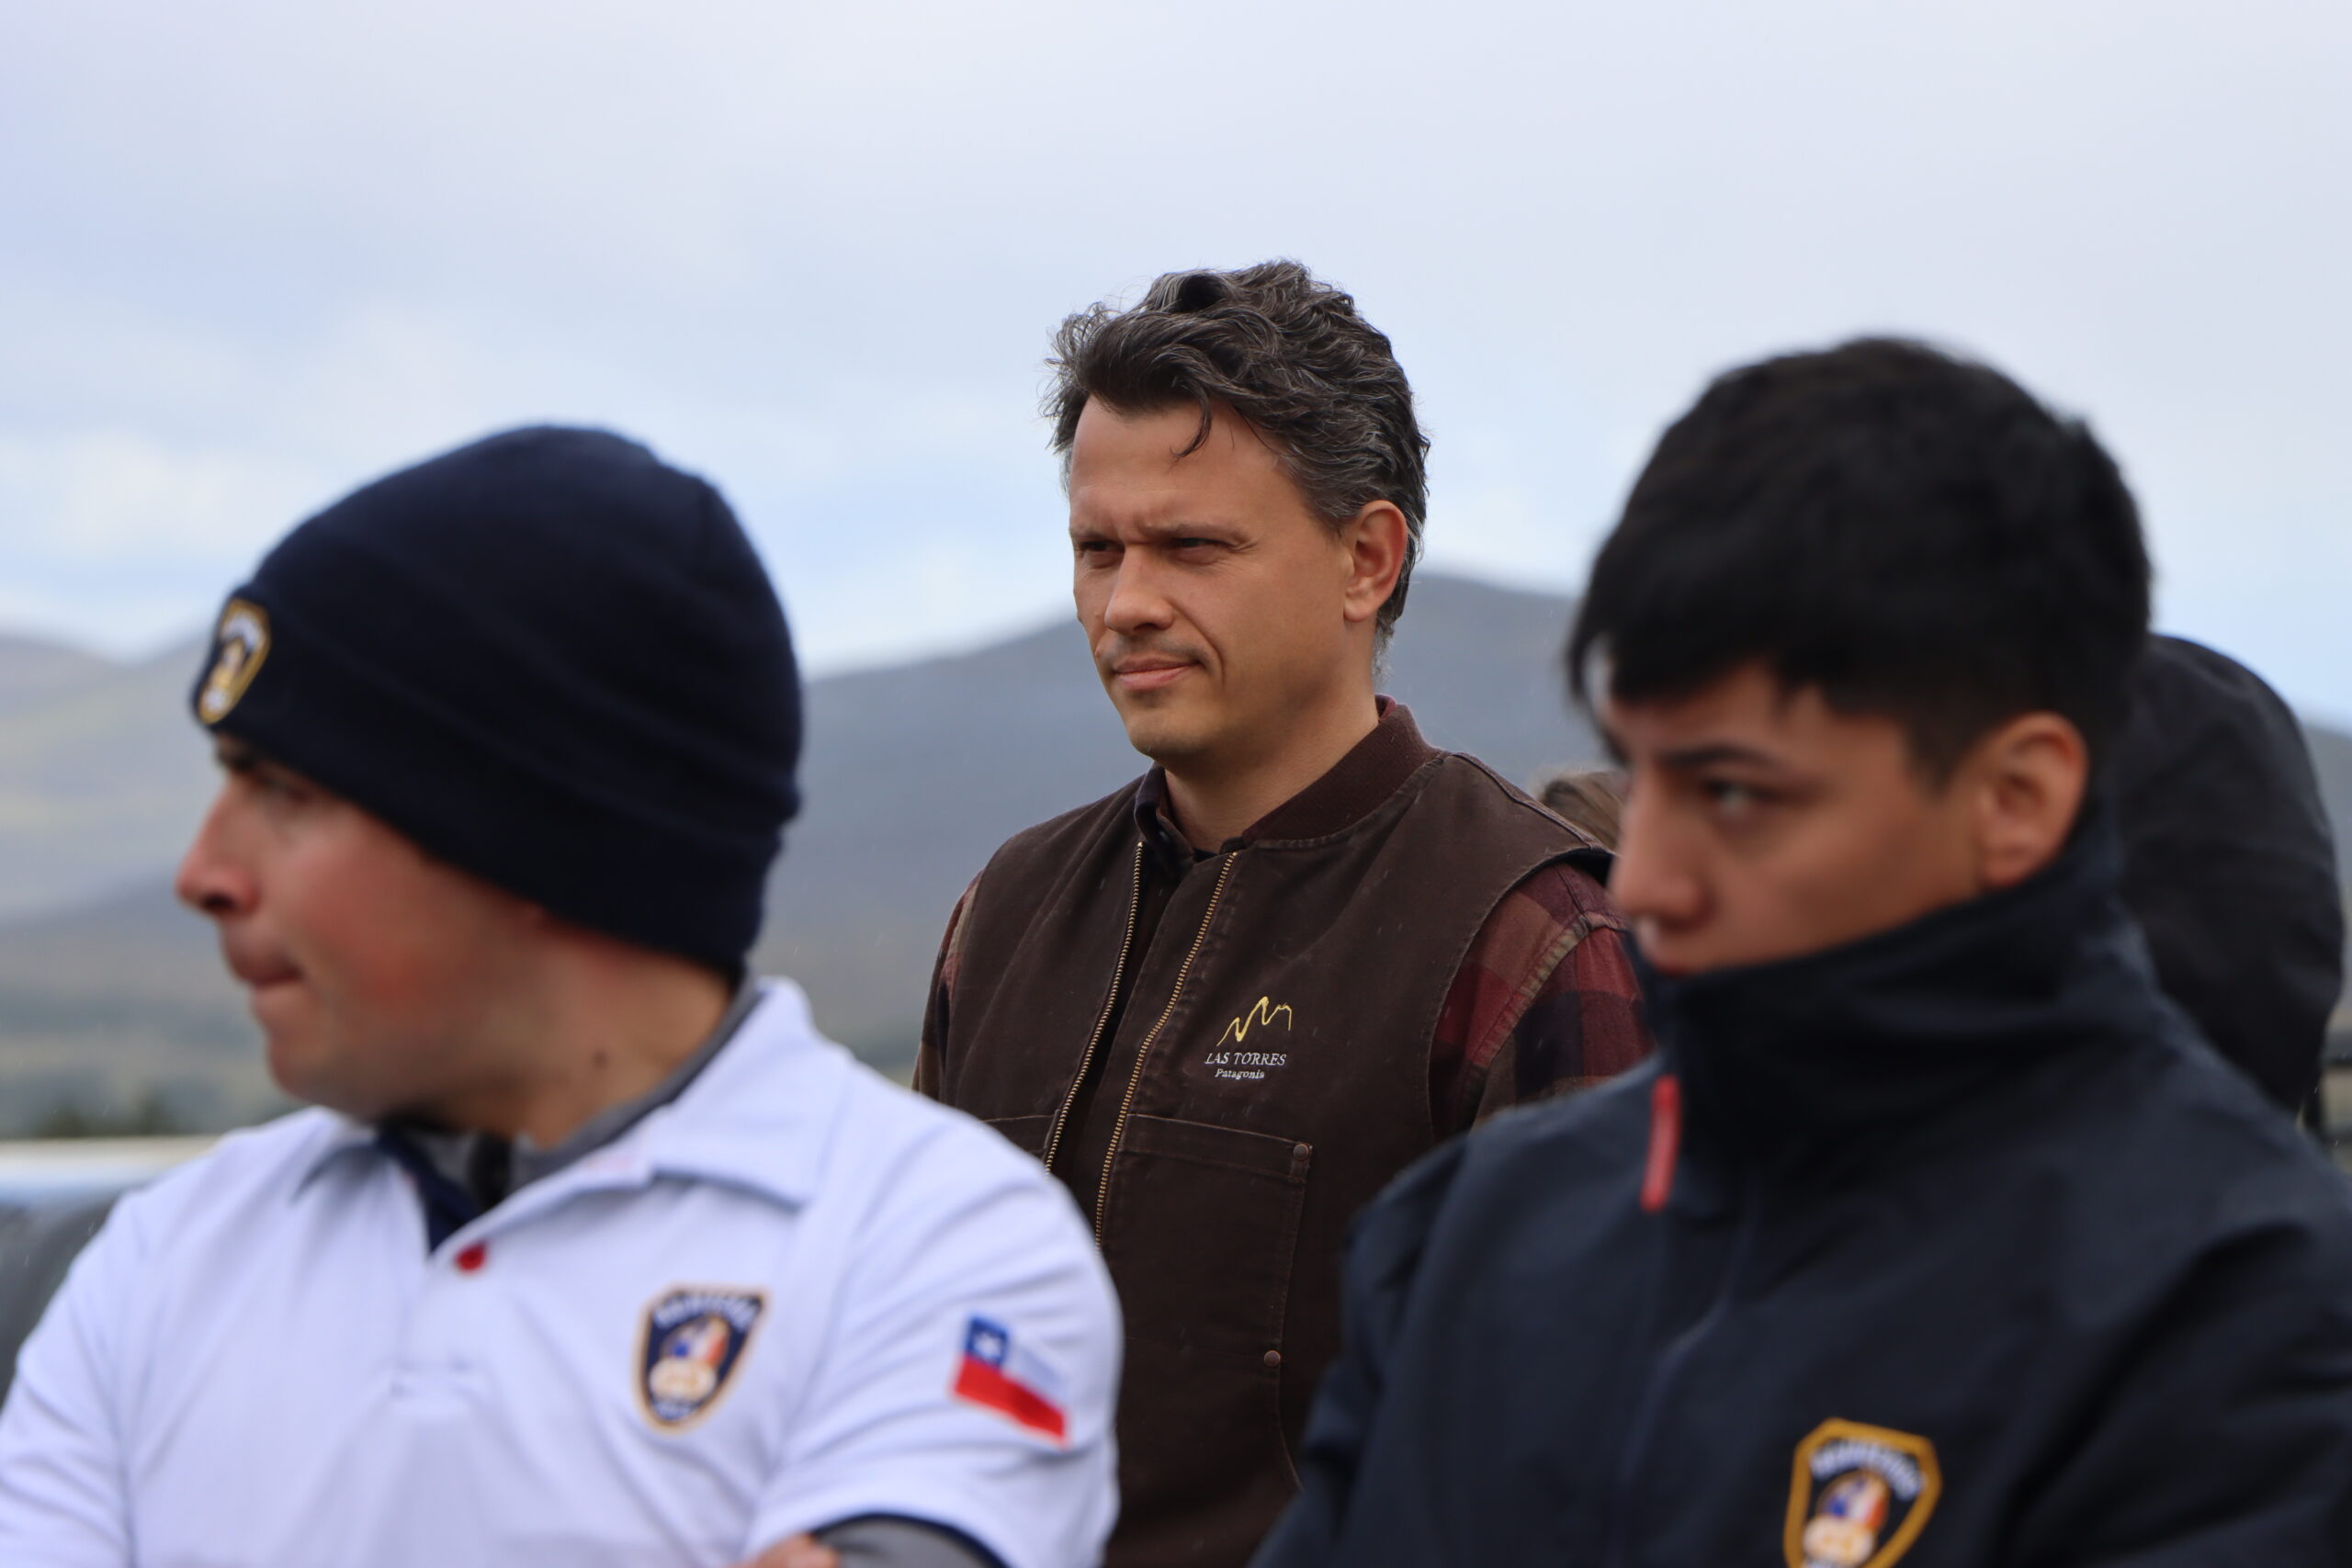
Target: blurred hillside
[(113, 1008), (100, 777)]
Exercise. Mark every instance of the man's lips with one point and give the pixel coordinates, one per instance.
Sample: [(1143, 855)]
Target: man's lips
[(260, 972), (1658, 949), (1147, 674)]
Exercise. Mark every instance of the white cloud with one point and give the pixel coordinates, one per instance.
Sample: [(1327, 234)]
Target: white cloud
[(108, 495), (269, 249)]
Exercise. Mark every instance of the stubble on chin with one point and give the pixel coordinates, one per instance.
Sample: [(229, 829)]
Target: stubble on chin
[(1161, 738)]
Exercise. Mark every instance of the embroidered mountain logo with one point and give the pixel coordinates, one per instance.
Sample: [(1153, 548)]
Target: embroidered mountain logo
[(691, 1342), (1250, 1064), (1859, 1495), (238, 649)]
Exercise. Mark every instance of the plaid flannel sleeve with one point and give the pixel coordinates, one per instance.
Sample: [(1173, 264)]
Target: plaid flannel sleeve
[(930, 1055), (1544, 1002)]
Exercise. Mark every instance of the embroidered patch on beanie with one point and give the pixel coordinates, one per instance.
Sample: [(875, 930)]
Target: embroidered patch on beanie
[(239, 646)]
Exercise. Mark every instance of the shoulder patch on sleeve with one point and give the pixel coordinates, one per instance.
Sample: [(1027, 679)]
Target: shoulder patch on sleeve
[(997, 1373)]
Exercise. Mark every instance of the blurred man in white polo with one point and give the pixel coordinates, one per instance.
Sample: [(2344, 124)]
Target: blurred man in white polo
[(594, 1252)]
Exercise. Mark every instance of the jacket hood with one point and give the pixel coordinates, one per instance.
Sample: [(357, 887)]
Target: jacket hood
[(2228, 864)]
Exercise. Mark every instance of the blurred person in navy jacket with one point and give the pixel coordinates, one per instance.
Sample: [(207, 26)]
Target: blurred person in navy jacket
[(1934, 1233)]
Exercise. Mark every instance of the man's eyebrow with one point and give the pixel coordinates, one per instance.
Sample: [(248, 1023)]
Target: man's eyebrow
[(1157, 533), (1714, 754), (1186, 528)]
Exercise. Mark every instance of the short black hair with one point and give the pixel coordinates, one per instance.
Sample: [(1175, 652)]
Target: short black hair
[(1907, 530), (1287, 353)]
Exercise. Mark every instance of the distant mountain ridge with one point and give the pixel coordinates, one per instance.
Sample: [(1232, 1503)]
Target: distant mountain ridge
[(31, 669), (913, 775), (101, 777)]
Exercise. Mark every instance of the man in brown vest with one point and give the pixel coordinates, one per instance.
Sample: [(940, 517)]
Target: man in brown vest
[(1227, 1004)]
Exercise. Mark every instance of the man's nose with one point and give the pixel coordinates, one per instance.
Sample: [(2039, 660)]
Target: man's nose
[(211, 879), (1650, 879), (1135, 603)]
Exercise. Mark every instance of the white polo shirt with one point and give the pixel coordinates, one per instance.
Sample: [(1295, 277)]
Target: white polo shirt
[(795, 1295)]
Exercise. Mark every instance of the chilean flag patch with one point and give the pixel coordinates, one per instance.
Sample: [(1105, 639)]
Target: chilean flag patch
[(1001, 1376)]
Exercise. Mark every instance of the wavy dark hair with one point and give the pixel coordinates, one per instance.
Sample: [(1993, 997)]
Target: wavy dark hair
[(1286, 352)]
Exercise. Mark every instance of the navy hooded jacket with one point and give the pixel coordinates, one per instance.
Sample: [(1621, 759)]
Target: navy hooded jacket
[(2229, 861), (1956, 1246)]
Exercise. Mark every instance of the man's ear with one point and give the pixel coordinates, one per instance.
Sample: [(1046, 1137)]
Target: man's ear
[(2028, 779), (1375, 540)]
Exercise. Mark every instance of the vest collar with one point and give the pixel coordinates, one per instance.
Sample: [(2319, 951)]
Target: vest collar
[(1374, 768), (1838, 1052)]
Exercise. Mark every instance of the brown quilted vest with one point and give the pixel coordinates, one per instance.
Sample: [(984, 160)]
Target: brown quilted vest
[(1268, 1073)]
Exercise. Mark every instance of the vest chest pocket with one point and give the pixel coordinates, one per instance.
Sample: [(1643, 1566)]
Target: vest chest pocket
[(1200, 1233)]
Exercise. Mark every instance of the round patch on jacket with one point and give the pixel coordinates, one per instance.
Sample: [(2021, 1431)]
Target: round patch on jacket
[(1859, 1495), (691, 1342), (238, 649)]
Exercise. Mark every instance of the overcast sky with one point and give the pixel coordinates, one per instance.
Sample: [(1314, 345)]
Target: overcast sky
[(253, 253)]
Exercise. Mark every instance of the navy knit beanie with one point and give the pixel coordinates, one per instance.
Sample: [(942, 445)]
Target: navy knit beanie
[(548, 659)]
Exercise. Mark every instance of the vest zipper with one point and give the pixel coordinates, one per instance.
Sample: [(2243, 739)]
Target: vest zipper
[(1143, 1051), (1094, 1041)]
